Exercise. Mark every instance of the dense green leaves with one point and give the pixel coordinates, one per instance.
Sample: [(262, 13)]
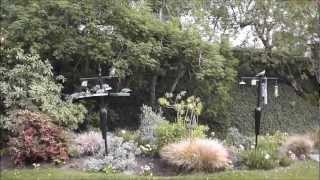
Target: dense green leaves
[(154, 49), (28, 83)]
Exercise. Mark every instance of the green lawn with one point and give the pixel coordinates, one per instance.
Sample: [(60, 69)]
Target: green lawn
[(298, 171)]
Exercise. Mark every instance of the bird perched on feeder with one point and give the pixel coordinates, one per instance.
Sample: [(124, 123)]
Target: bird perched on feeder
[(262, 73), (126, 90), (112, 72), (106, 87)]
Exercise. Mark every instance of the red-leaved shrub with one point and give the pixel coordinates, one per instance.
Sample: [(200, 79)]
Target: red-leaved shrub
[(36, 139)]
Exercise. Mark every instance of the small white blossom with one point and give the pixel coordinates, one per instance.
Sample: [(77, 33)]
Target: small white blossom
[(267, 156), (147, 168), (292, 156), (212, 134), (123, 131), (241, 147), (168, 95), (36, 165), (183, 93)]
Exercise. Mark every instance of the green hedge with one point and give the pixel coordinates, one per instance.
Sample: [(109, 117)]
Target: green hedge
[(289, 112)]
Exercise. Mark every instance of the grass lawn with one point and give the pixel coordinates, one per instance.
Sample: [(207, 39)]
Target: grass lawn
[(299, 171)]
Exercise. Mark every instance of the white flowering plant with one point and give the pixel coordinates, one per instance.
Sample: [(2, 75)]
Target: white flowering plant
[(109, 169), (149, 121), (146, 170), (121, 156), (128, 135), (148, 149), (259, 159)]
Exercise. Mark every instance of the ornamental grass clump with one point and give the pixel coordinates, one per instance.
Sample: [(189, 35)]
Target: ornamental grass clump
[(300, 145), (197, 154)]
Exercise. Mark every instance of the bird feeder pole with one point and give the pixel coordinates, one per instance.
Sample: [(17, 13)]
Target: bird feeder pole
[(262, 89), (99, 93)]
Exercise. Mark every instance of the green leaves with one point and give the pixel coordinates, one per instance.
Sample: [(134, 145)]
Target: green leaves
[(28, 83)]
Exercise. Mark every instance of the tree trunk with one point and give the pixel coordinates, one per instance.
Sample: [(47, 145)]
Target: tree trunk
[(153, 90), (317, 48), (176, 81), (316, 59)]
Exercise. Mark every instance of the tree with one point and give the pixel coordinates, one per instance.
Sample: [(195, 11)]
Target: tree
[(28, 83), (151, 55)]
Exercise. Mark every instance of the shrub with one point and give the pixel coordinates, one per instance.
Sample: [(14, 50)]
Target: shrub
[(196, 154), (187, 110), (146, 170), (300, 145), (109, 170), (121, 156), (235, 138), (36, 139), (282, 116), (128, 135), (173, 132), (89, 143), (27, 82), (150, 150), (169, 132), (149, 121), (285, 161), (259, 159), (73, 151), (272, 142)]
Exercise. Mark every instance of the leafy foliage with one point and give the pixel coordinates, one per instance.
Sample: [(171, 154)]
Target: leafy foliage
[(286, 113), (128, 135), (187, 110), (173, 132), (149, 121), (27, 82), (235, 138), (36, 139), (285, 161), (267, 154), (259, 159), (76, 37), (186, 121)]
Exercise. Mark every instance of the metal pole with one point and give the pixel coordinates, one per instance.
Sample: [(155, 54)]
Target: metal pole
[(103, 114), (103, 123), (257, 114)]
